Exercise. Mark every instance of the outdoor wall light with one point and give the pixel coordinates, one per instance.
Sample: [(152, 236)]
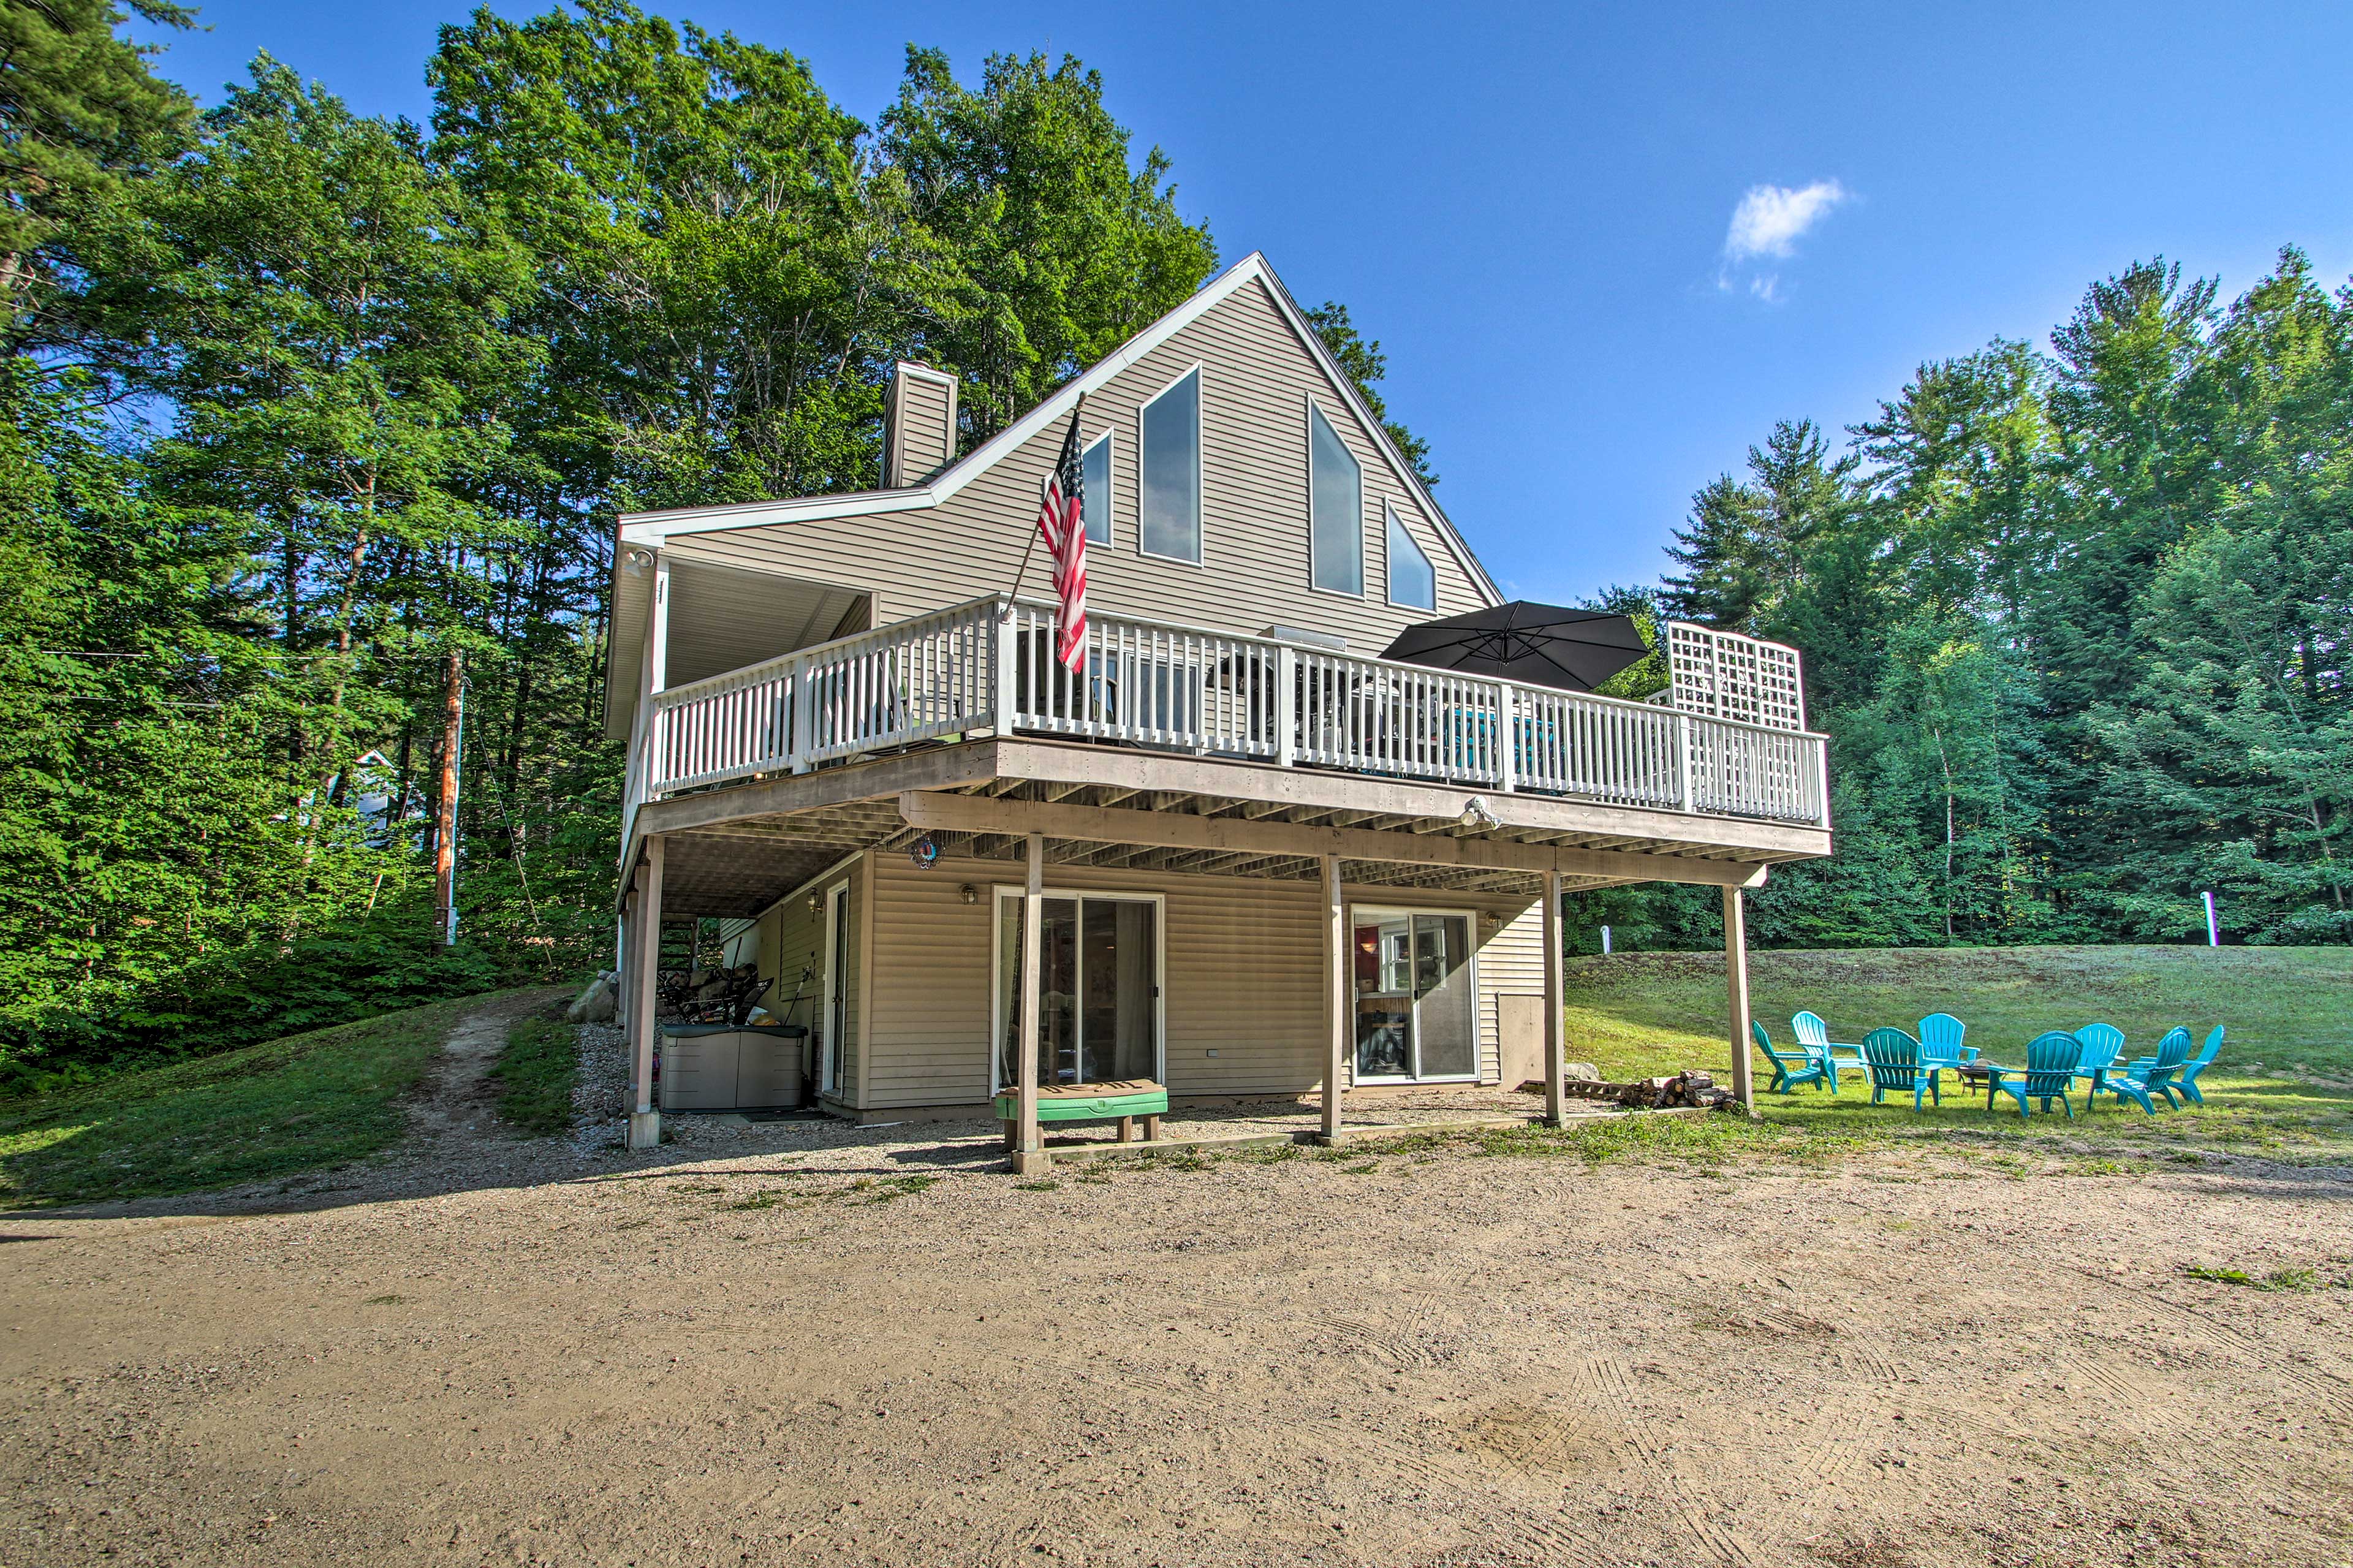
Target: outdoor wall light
[(638, 560), (968, 893), (1476, 815)]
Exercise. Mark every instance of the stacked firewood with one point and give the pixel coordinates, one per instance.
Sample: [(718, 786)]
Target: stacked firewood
[(1689, 1086)]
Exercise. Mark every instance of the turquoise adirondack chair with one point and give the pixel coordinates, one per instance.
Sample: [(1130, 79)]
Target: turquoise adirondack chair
[(2050, 1061), (2188, 1080), (2100, 1044), (1815, 1034), (1792, 1068), (2152, 1075), (1940, 1041), (1893, 1059)]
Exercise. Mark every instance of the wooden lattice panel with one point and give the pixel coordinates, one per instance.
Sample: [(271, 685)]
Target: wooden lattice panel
[(1723, 674)]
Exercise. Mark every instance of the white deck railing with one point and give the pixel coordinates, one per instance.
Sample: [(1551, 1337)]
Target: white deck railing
[(989, 664)]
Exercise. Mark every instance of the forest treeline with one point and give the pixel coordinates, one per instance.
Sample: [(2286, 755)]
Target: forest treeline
[(2075, 618), (301, 402)]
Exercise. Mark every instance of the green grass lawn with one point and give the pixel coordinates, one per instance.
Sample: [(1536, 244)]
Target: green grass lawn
[(536, 1071), (2282, 1086), (245, 1115)]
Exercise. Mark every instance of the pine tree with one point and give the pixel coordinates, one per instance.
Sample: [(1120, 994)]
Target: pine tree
[(79, 112)]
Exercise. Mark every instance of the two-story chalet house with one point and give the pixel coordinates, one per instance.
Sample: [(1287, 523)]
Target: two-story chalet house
[(1243, 855)]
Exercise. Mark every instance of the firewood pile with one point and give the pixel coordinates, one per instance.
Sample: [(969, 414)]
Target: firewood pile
[(1688, 1088)]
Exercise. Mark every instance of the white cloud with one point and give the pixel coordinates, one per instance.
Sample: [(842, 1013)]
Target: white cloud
[(1770, 219)]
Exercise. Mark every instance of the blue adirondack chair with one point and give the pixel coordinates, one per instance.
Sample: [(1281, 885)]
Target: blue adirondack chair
[(1940, 1041), (2100, 1044), (1815, 1034), (2188, 1080), (1893, 1059), (1792, 1068), (2152, 1075), (2050, 1061)]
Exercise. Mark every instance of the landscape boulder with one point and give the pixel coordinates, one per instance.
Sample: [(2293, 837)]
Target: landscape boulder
[(1580, 1072), (596, 1002)]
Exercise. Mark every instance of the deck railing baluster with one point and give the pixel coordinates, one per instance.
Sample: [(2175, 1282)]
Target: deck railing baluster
[(1151, 683)]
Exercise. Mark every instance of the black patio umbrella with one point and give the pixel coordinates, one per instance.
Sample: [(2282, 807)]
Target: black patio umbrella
[(1538, 645)]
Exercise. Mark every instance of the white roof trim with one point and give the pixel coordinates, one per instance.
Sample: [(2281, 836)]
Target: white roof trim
[(652, 528), (924, 373)]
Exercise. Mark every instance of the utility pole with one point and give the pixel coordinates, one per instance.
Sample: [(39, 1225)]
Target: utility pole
[(444, 826)]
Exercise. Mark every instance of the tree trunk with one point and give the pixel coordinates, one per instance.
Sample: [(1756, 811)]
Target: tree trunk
[(445, 831)]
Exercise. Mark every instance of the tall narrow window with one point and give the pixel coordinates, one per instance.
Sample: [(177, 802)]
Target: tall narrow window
[(1335, 502), (1412, 582), (1169, 469), (1094, 504)]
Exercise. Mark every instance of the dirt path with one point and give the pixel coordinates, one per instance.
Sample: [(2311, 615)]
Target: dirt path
[(455, 1113), (878, 1352)]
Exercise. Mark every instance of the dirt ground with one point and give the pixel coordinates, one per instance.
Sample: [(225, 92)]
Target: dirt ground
[(797, 1343)]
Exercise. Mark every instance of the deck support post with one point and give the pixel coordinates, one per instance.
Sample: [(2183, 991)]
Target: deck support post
[(1735, 986), (1029, 1155), (625, 954), (1335, 995), (645, 1121), (1555, 1047)]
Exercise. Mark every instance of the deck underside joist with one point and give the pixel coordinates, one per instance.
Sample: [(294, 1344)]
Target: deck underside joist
[(732, 851)]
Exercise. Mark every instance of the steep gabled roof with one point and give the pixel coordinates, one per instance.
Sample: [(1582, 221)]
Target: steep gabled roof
[(651, 527)]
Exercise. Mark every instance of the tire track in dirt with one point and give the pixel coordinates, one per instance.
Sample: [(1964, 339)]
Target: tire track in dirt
[(2324, 1387), (1667, 1479)]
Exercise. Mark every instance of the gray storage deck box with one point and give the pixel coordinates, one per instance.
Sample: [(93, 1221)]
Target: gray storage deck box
[(718, 1066)]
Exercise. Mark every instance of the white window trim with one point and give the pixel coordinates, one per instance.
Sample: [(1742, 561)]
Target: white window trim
[(1470, 961), (1111, 483), (1200, 463), (1388, 567), (1000, 986), (829, 1057), (1307, 435)]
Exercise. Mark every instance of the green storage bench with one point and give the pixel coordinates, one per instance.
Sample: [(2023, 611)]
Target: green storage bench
[(1122, 1101)]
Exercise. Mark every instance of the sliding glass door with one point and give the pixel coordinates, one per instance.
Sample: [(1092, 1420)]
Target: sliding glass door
[(1416, 1000), (1098, 984)]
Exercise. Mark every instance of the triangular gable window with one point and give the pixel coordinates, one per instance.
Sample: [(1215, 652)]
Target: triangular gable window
[(1412, 581)]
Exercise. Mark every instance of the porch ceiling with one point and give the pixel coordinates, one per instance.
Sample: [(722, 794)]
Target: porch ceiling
[(721, 617), (732, 851)]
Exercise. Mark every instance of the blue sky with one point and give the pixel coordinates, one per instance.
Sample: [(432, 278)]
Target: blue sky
[(1606, 248)]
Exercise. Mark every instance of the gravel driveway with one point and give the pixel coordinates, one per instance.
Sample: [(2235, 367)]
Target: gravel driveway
[(797, 1343)]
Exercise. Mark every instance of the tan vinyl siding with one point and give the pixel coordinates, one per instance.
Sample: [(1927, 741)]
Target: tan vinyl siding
[(1242, 966), (1244, 975), (1256, 379), (923, 428), (1511, 963)]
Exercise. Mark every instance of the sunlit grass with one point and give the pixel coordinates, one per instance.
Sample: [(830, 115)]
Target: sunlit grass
[(2282, 1088), (270, 1109)]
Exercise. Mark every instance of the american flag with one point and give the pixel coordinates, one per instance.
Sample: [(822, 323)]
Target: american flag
[(1059, 522)]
